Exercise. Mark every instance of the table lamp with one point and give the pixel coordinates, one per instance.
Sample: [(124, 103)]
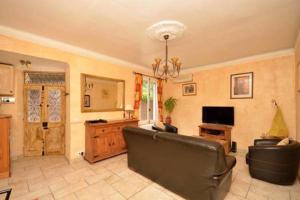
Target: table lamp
[(129, 109)]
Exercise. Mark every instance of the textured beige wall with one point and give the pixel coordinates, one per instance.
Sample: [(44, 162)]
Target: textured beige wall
[(273, 79), (77, 64), (297, 59)]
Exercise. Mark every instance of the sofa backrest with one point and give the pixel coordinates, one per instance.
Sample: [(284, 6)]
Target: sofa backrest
[(169, 154)]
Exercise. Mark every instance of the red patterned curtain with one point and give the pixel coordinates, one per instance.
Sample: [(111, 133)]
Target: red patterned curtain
[(138, 94), (159, 99)]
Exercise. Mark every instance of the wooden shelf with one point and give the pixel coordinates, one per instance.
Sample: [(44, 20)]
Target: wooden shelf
[(216, 132)]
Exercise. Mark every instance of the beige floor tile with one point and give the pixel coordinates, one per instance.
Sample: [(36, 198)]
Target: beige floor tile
[(46, 197), (243, 176), (274, 193), (255, 196), (116, 196), (79, 164), (240, 188), (34, 195), (70, 196), (295, 195), (58, 184), (78, 175), (150, 193), (129, 186), (69, 189), (231, 196), (112, 179), (19, 189), (3, 182), (99, 191)]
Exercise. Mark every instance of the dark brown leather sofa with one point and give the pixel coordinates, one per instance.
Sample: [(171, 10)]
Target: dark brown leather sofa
[(191, 167), (272, 163)]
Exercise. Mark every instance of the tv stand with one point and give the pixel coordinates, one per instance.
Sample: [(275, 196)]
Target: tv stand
[(216, 131)]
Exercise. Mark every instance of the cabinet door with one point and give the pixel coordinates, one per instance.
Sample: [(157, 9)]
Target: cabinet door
[(6, 80), (119, 141), (4, 147), (101, 146)]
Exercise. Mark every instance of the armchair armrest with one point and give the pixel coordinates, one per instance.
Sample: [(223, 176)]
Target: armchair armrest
[(266, 141), (273, 154)]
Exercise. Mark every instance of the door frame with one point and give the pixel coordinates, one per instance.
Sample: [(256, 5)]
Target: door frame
[(43, 112)]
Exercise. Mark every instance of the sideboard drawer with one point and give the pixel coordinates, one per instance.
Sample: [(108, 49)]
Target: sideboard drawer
[(117, 128), (102, 130)]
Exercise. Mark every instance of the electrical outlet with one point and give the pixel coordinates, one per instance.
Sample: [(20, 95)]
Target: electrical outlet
[(80, 153)]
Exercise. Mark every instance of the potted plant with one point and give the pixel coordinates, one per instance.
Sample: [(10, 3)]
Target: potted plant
[(169, 104)]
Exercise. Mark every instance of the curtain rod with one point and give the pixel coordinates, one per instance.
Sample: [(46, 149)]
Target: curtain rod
[(146, 75)]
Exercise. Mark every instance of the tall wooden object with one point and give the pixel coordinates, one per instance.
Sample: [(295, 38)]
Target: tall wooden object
[(7, 80), (104, 140), (216, 131), (4, 146)]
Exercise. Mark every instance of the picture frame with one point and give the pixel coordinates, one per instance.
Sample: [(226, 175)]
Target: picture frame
[(241, 85), (87, 101), (189, 89)]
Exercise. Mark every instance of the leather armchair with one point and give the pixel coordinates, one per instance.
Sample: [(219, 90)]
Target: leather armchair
[(272, 163)]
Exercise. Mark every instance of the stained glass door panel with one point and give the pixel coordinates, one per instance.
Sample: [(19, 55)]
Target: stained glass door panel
[(33, 138), (54, 115)]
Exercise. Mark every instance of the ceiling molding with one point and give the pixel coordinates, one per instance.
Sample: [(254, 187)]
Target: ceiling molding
[(239, 61), (10, 32)]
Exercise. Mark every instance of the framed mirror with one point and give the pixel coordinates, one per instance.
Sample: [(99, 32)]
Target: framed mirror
[(101, 94)]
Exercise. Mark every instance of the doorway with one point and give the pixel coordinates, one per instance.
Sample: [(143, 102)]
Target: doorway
[(44, 113)]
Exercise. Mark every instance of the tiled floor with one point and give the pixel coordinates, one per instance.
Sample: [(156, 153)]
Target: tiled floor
[(49, 178)]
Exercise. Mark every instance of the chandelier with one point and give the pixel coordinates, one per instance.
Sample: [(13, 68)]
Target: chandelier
[(165, 31), (170, 68)]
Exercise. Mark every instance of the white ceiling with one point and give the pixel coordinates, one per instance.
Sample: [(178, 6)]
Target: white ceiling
[(217, 30)]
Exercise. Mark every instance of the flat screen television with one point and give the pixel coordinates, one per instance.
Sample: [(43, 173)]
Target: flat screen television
[(218, 115)]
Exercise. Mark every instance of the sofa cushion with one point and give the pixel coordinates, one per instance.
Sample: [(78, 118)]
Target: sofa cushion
[(283, 142)]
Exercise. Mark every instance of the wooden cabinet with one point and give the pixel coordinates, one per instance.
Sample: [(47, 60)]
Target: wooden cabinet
[(4, 146), (6, 80), (104, 140)]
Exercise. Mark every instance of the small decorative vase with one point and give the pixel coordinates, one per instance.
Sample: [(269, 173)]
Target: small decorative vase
[(168, 120)]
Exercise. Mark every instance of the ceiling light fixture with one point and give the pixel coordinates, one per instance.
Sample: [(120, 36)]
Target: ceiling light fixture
[(164, 31)]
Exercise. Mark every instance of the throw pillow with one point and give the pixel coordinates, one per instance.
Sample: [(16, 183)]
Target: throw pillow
[(159, 124), (283, 142)]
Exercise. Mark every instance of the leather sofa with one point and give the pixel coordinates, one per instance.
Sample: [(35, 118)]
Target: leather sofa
[(272, 163), (191, 167)]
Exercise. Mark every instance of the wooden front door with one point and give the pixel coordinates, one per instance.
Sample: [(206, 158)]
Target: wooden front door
[(44, 120)]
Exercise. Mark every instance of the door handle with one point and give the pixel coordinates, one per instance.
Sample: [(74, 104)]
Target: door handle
[(96, 136)]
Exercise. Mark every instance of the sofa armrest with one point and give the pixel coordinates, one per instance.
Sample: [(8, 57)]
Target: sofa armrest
[(230, 162), (266, 141), (157, 128), (171, 129)]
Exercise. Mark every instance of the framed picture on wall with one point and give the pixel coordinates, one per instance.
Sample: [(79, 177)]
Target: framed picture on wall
[(87, 101), (241, 86), (189, 89)]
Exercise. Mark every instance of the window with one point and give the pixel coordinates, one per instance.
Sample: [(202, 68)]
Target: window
[(149, 110)]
